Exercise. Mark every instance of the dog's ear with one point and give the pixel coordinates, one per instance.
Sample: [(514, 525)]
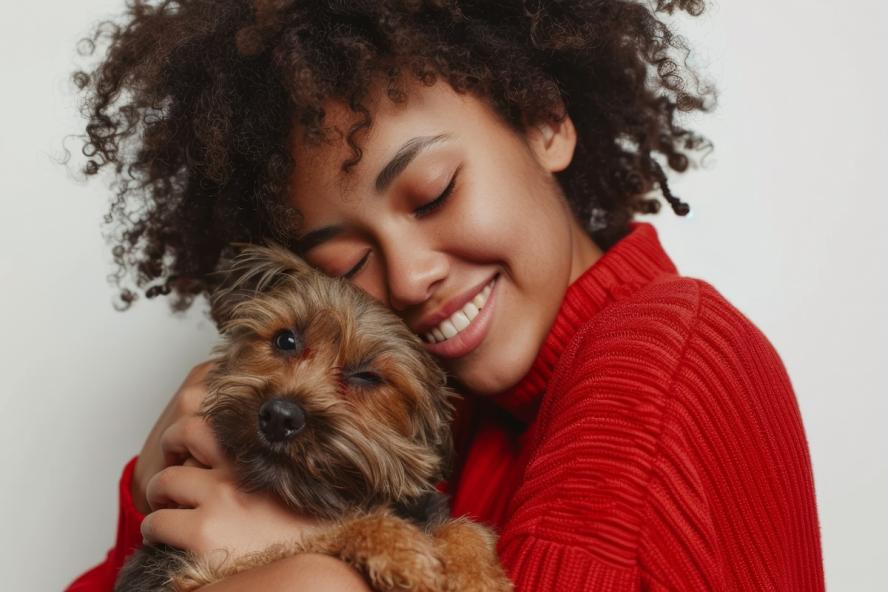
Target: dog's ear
[(254, 270)]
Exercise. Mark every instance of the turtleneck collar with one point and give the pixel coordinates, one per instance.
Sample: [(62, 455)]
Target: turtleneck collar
[(633, 262)]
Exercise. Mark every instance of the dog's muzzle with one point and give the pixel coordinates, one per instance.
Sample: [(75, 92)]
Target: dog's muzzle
[(281, 419)]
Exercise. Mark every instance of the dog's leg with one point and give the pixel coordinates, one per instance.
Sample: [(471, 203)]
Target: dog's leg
[(389, 551), (468, 551)]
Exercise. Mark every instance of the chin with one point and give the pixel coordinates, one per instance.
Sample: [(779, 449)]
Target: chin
[(496, 365), (484, 380)]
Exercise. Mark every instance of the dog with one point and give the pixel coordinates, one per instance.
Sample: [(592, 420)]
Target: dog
[(325, 398)]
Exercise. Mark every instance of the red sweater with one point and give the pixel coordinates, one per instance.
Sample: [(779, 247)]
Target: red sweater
[(655, 444)]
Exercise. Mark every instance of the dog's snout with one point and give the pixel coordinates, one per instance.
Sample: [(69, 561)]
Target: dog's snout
[(281, 419)]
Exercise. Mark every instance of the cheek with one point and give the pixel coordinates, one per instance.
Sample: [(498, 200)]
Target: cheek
[(485, 223), (533, 244), (513, 227)]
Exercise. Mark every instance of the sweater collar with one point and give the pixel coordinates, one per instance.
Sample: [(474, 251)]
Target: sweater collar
[(634, 261)]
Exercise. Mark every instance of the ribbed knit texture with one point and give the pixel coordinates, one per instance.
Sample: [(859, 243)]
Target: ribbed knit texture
[(655, 444)]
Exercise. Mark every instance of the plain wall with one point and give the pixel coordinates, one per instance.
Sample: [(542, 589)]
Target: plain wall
[(788, 223)]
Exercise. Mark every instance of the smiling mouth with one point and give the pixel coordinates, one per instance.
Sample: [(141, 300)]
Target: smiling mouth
[(455, 323)]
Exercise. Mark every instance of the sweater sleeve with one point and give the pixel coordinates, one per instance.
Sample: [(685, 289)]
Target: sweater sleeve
[(129, 538), (668, 455)]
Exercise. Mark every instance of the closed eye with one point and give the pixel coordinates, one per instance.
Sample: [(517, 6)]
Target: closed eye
[(441, 199), (351, 272), (365, 379), (420, 212)]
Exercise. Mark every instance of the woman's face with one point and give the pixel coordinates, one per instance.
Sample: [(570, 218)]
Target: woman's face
[(452, 220)]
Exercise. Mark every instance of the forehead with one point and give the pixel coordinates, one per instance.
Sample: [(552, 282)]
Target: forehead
[(427, 111)]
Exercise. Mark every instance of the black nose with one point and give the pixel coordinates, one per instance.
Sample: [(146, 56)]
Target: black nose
[(281, 419)]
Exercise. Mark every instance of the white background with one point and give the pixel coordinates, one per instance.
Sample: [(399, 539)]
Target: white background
[(789, 223)]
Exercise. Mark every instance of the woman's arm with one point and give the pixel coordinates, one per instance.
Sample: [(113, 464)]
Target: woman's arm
[(314, 572), (309, 571), (174, 469)]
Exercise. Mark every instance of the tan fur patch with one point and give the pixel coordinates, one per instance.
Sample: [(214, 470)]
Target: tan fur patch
[(324, 397)]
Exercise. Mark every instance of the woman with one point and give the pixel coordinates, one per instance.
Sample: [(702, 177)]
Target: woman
[(476, 168)]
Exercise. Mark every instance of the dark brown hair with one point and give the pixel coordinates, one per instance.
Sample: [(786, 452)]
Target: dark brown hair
[(194, 100)]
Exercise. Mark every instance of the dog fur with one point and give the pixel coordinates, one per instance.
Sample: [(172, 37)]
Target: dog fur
[(372, 439)]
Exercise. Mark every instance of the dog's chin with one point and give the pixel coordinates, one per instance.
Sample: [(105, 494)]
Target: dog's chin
[(318, 472), (280, 470)]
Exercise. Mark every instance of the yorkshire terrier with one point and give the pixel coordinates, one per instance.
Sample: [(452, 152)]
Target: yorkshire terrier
[(325, 398)]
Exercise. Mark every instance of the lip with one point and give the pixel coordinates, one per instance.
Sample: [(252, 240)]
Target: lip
[(455, 304), (471, 337)]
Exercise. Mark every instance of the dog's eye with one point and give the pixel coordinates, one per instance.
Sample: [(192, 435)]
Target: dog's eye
[(286, 341), (364, 379)]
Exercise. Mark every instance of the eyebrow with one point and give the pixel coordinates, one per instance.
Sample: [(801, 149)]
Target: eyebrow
[(405, 155)]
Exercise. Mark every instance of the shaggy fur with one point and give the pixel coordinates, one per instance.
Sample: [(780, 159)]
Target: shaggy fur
[(371, 441)]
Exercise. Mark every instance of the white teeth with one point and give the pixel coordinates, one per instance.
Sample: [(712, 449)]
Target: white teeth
[(448, 329), (460, 321), (461, 318)]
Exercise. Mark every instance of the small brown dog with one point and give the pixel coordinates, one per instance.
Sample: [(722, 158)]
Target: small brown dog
[(325, 398)]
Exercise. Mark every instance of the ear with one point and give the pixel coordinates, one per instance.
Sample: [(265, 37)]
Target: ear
[(552, 141), (256, 269)]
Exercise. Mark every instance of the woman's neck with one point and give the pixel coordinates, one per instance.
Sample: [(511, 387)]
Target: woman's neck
[(584, 251)]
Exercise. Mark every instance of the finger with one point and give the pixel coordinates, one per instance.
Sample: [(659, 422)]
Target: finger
[(191, 392), (179, 486), (183, 529), (195, 384), (192, 462), (199, 373), (191, 436), (193, 388), (171, 526)]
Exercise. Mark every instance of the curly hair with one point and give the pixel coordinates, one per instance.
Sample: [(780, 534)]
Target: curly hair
[(194, 101)]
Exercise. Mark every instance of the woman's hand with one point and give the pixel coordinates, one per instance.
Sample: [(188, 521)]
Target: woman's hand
[(184, 404), (193, 498), (201, 509)]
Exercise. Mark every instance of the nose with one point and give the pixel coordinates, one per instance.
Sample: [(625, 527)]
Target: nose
[(280, 419), (413, 269)]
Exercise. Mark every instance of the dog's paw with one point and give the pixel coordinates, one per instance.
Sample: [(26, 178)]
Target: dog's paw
[(390, 552), (468, 551)]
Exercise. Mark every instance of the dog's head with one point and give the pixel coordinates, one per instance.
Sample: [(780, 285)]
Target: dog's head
[(320, 393)]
